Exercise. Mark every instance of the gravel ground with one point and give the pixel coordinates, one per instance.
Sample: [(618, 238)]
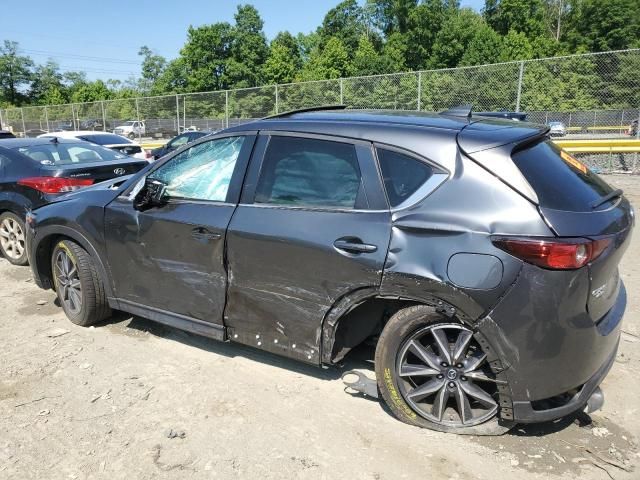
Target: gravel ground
[(131, 399)]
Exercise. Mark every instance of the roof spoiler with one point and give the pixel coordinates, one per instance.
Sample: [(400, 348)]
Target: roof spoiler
[(459, 111)]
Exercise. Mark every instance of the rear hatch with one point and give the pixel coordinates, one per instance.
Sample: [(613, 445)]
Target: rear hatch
[(576, 202)]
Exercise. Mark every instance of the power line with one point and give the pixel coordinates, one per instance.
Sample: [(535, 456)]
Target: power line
[(80, 57), (61, 37)]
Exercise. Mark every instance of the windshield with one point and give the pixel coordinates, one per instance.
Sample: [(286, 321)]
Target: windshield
[(70, 153), (105, 139), (128, 124)]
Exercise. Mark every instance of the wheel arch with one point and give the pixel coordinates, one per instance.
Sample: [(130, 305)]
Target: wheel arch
[(357, 315), (42, 255)]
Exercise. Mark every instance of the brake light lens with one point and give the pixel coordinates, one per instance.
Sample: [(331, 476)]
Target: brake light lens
[(554, 254), (55, 184)]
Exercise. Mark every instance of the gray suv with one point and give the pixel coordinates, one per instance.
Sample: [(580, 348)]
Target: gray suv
[(480, 258)]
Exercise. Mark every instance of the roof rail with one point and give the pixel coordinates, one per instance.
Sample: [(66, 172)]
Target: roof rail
[(307, 109), (459, 111)]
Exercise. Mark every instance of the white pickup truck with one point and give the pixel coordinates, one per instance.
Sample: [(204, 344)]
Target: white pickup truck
[(131, 129)]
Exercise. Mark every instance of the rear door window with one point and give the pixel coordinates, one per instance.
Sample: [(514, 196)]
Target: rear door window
[(560, 181), (307, 172), (402, 175)]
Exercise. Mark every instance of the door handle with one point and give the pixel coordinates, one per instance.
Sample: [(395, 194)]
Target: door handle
[(201, 233), (354, 245)]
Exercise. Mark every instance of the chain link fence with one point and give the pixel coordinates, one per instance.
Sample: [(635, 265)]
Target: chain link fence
[(594, 96)]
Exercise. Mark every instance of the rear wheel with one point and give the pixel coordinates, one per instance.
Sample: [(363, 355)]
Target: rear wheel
[(78, 284), (433, 373), (12, 239)]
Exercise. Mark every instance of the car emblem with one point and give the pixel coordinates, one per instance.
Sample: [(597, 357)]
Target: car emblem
[(119, 171)]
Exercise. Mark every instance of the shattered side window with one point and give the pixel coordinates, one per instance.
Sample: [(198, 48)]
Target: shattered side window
[(202, 172)]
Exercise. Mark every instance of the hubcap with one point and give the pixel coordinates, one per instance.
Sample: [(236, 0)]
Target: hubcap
[(68, 282), (445, 377), (11, 238)]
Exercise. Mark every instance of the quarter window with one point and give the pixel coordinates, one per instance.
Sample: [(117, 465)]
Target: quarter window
[(309, 172), (402, 175), (202, 172)]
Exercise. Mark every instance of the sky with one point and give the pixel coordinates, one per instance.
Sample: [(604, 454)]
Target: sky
[(102, 38)]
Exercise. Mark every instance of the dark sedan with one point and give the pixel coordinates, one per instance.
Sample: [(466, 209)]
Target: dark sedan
[(177, 142), (34, 172)]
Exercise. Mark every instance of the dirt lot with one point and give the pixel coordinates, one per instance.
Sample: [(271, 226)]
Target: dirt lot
[(131, 399)]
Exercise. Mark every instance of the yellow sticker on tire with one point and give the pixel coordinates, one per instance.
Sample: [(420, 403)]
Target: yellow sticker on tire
[(395, 396)]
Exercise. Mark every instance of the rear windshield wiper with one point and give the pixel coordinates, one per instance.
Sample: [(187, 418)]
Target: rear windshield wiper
[(609, 196)]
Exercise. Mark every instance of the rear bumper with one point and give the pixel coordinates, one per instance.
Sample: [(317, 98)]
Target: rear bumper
[(524, 412), (547, 348)]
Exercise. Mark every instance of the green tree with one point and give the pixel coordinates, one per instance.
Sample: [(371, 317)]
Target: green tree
[(423, 24), (515, 46), (47, 84), (284, 60), (152, 67), (455, 36), (203, 59), (600, 25), (391, 15), (346, 22), (330, 62), (15, 73), (248, 49), (526, 16), (174, 78), (484, 47), (366, 60), (91, 92)]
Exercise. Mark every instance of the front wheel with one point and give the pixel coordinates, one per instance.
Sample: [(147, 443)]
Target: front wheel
[(78, 284), (12, 239), (432, 373)]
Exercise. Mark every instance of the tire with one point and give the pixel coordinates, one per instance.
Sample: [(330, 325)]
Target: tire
[(131, 136), (78, 284), (12, 238), (429, 392)]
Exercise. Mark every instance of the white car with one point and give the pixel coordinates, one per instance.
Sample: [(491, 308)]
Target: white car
[(557, 129), (131, 129), (106, 139)]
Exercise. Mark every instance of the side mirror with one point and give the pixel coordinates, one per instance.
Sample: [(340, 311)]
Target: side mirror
[(152, 194)]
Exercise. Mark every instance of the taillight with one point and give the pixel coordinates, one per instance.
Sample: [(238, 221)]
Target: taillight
[(55, 184), (555, 254)]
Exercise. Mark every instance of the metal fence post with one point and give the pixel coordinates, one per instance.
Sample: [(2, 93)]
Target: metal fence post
[(341, 91), (519, 94), (177, 113), (635, 157), (24, 129), (419, 90), (104, 117), (226, 107), (46, 117), (277, 99), (1, 120)]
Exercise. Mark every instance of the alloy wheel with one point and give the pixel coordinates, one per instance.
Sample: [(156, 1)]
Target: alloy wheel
[(68, 282), (445, 377), (12, 238)]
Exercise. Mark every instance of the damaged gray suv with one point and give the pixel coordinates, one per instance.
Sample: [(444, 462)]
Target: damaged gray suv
[(480, 258)]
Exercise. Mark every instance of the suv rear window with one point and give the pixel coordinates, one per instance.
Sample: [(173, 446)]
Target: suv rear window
[(402, 175), (560, 181)]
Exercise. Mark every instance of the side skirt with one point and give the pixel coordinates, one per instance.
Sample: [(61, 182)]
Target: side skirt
[(182, 322)]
